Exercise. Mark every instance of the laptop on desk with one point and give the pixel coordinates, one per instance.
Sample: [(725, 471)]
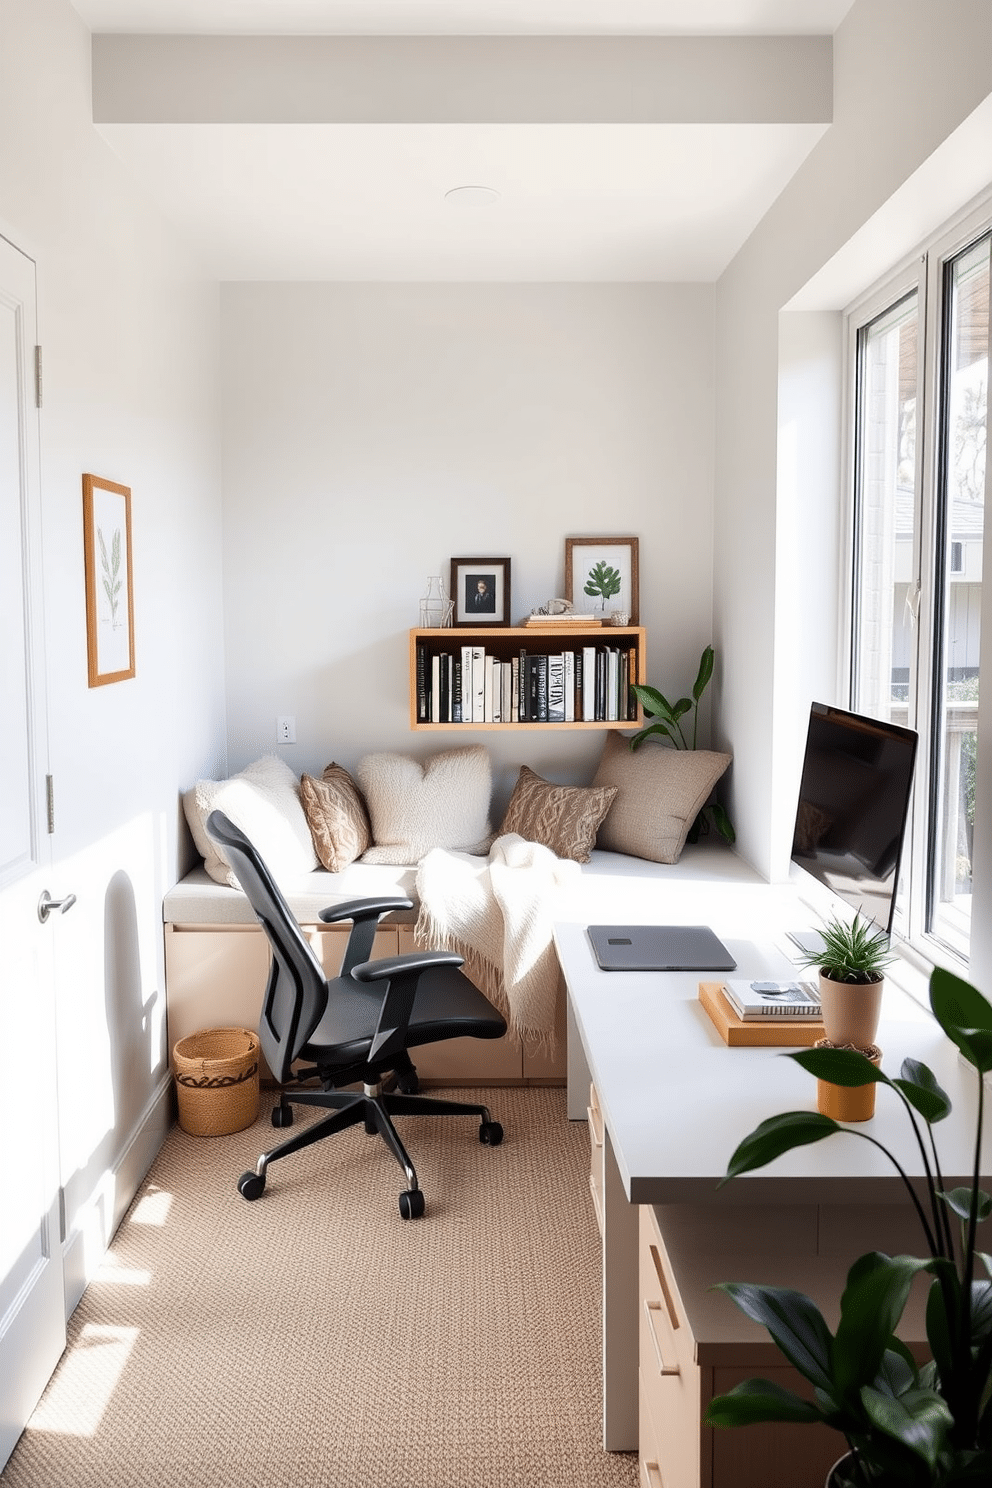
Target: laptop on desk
[(659, 948)]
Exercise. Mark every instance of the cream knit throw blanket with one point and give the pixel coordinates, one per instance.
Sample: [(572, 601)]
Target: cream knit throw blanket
[(498, 914)]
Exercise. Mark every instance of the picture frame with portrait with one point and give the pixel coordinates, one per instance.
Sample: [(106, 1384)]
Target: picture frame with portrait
[(480, 588), (601, 576)]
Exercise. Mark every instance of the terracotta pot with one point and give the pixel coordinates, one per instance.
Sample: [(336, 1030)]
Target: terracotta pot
[(851, 1011), (847, 1102)]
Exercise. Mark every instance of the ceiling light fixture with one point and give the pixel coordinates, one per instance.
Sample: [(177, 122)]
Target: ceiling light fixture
[(471, 196)]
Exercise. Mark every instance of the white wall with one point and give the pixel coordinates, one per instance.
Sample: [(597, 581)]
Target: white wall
[(907, 74), (129, 329), (372, 432)]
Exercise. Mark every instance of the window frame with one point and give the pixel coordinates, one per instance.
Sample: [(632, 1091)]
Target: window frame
[(924, 273)]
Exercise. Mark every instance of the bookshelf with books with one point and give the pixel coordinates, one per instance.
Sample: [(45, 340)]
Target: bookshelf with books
[(527, 676)]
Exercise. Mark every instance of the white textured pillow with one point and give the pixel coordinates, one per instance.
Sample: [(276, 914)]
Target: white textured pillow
[(415, 807), (264, 801)]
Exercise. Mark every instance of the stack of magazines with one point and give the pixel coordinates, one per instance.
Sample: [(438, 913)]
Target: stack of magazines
[(753, 1000)]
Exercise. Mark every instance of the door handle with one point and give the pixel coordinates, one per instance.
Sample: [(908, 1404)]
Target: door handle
[(46, 904)]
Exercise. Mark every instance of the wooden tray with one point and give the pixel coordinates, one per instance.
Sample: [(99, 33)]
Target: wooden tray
[(786, 1032)]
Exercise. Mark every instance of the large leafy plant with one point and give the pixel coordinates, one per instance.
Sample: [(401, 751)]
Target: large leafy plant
[(905, 1425), (668, 724)]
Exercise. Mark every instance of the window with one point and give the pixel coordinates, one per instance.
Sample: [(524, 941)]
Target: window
[(919, 420)]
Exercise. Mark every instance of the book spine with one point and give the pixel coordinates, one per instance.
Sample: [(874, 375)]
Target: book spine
[(490, 716), (541, 688), (435, 689), (589, 683), (478, 684), (456, 689), (556, 688), (423, 702), (467, 688), (515, 690), (569, 659)]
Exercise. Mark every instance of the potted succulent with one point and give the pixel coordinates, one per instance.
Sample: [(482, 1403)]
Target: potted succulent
[(851, 962), (906, 1426), (668, 723)]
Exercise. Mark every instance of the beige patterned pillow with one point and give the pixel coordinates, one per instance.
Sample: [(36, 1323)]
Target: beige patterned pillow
[(339, 822), (561, 817), (659, 794)]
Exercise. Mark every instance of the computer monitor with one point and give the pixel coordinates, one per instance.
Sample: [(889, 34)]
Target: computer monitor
[(853, 807)]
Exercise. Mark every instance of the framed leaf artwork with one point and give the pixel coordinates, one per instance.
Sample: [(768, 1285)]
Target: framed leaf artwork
[(109, 587)]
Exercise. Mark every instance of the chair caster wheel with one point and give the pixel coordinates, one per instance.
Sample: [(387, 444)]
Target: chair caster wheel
[(411, 1203), (408, 1084), (282, 1115), (490, 1134), (251, 1186)]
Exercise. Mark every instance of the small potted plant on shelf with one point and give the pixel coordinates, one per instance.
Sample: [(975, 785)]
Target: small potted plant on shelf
[(851, 962), (668, 723), (906, 1425)]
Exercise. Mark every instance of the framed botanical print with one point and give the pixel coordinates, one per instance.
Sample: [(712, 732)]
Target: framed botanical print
[(601, 576), (109, 586)]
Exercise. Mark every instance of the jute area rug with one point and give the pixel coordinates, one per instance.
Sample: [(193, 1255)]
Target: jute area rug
[(315, 1338)]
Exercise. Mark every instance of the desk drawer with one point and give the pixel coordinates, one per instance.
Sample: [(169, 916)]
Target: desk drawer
[(670, 1401), (597, 1155)]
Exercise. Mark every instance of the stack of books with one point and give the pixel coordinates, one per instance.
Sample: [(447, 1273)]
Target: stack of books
[(773, 999), (784, 1013)]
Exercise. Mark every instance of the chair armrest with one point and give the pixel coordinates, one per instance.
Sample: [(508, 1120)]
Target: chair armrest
[(363, 909), (397, 966), (401, 975)]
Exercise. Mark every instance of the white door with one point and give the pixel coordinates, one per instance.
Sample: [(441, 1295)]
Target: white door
[(32, 1296)]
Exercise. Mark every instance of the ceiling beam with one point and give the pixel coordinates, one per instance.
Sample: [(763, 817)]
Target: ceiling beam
[(458, 79)]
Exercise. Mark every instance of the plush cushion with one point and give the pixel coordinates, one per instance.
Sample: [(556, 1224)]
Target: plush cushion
[(561, 817), (415, 806), (659, 793), (264, 801), (339, 822)]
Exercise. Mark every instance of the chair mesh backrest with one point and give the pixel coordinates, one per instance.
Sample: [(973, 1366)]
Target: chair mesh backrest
[(296, 994)]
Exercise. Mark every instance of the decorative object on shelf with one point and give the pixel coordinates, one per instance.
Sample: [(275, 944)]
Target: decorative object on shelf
[(109, 587), (561, 613), (481, 589), (668, 722), (851, 964), (927, 1426), (619, 617), (605, 570), (435, 606)]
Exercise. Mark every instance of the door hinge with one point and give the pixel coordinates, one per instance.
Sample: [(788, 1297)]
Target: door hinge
[(37, 377), (63, 1228), (50, 802)]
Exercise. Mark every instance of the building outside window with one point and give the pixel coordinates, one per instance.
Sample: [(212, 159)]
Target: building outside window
[(919, 396)]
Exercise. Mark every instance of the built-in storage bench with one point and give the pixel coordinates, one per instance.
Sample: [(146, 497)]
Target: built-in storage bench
[(217, 961)]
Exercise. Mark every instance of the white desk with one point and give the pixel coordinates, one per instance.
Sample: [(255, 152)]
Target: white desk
[(676, 1100)]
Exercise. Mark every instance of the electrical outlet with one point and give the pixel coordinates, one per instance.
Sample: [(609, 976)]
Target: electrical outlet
[(286, 729)]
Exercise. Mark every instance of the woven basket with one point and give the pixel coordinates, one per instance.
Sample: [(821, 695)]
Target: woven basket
[(217, 1081)]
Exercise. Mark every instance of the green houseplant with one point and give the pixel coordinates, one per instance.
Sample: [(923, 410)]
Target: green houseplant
[(906, 1426), (851, 963), (668, 724)]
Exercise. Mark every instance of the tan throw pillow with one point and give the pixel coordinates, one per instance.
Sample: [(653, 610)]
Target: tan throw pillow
[(561, 817), (660, 792), (339, 822)]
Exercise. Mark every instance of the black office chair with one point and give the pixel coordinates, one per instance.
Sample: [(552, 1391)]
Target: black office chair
[(357, 1026)]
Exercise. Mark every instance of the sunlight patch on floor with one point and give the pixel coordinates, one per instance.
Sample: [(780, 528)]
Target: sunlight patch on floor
[(80, 1391), (152, 1208)]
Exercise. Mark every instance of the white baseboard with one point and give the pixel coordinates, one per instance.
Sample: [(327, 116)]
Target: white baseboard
[(96, 1223)]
